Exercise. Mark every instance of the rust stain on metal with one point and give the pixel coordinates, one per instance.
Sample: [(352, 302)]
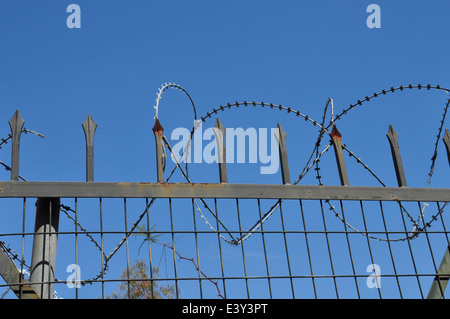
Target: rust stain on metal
[(157, 128), (335, 133)]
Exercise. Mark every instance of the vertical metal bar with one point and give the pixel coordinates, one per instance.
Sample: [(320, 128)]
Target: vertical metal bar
[(349, 249), (149, 248), (76, 246), (89, 127), (446, 269), (287, 251), (390, 250), (395, 150), (336, 137), (329, 250), (367, 237), (16, 124), (281, 137), (23, 246), (440, 287), (410, 249), (307, 249), (173, 248), (101, 246), (50, 291), (44, 246), (242, 246), (219, 131), (196, 247), (126, 242), (158, 132), (440, 282), (265, 251), (220, 248)]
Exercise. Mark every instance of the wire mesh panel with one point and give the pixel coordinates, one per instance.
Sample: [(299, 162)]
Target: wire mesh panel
[(210, 248)]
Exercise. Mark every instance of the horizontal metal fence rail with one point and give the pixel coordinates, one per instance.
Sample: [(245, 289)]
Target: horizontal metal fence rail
[(211, 190)]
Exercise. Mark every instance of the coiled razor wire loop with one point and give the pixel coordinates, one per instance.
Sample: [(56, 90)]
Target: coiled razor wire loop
[(384, 92), (167, 86), (323, 130)]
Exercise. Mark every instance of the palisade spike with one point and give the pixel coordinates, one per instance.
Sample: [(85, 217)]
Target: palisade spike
[(158, 131), (446, 140), (16, 124), (89, 127), (280, 134), (337, 142), (219, 131), (395, 150)]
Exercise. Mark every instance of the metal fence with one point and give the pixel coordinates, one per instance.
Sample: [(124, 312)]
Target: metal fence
[(223, 240)]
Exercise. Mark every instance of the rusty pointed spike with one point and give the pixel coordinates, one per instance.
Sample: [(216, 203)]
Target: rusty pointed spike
[(280, 134), (397, 158), (446, 140), (219, 131), (337, 142), (157, 127), (16, 124), (158, 132), (89, 127), (335, 133)]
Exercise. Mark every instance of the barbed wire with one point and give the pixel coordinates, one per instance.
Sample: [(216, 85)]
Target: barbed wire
[(322, 130), (386, 91), (167, 86)]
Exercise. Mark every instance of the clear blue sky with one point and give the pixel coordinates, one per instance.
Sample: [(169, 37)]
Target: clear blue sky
[(291, 53), (294, 53)]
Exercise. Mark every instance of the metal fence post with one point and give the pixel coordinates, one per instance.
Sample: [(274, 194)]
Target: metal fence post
[(89, 127), (16, 124), (158, 131), (395, 149), (446, 140), (337, 142), (219, 131), (43, 259), (280, 134)]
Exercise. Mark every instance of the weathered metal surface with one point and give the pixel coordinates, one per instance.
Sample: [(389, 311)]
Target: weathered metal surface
[(14, 278), (89, 127), (225, 190), (395, 149), (337, 142), (219, 131), (158, 131), (446, 140), (16, 124), (281, 137), (440, 282), (43, 259)]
